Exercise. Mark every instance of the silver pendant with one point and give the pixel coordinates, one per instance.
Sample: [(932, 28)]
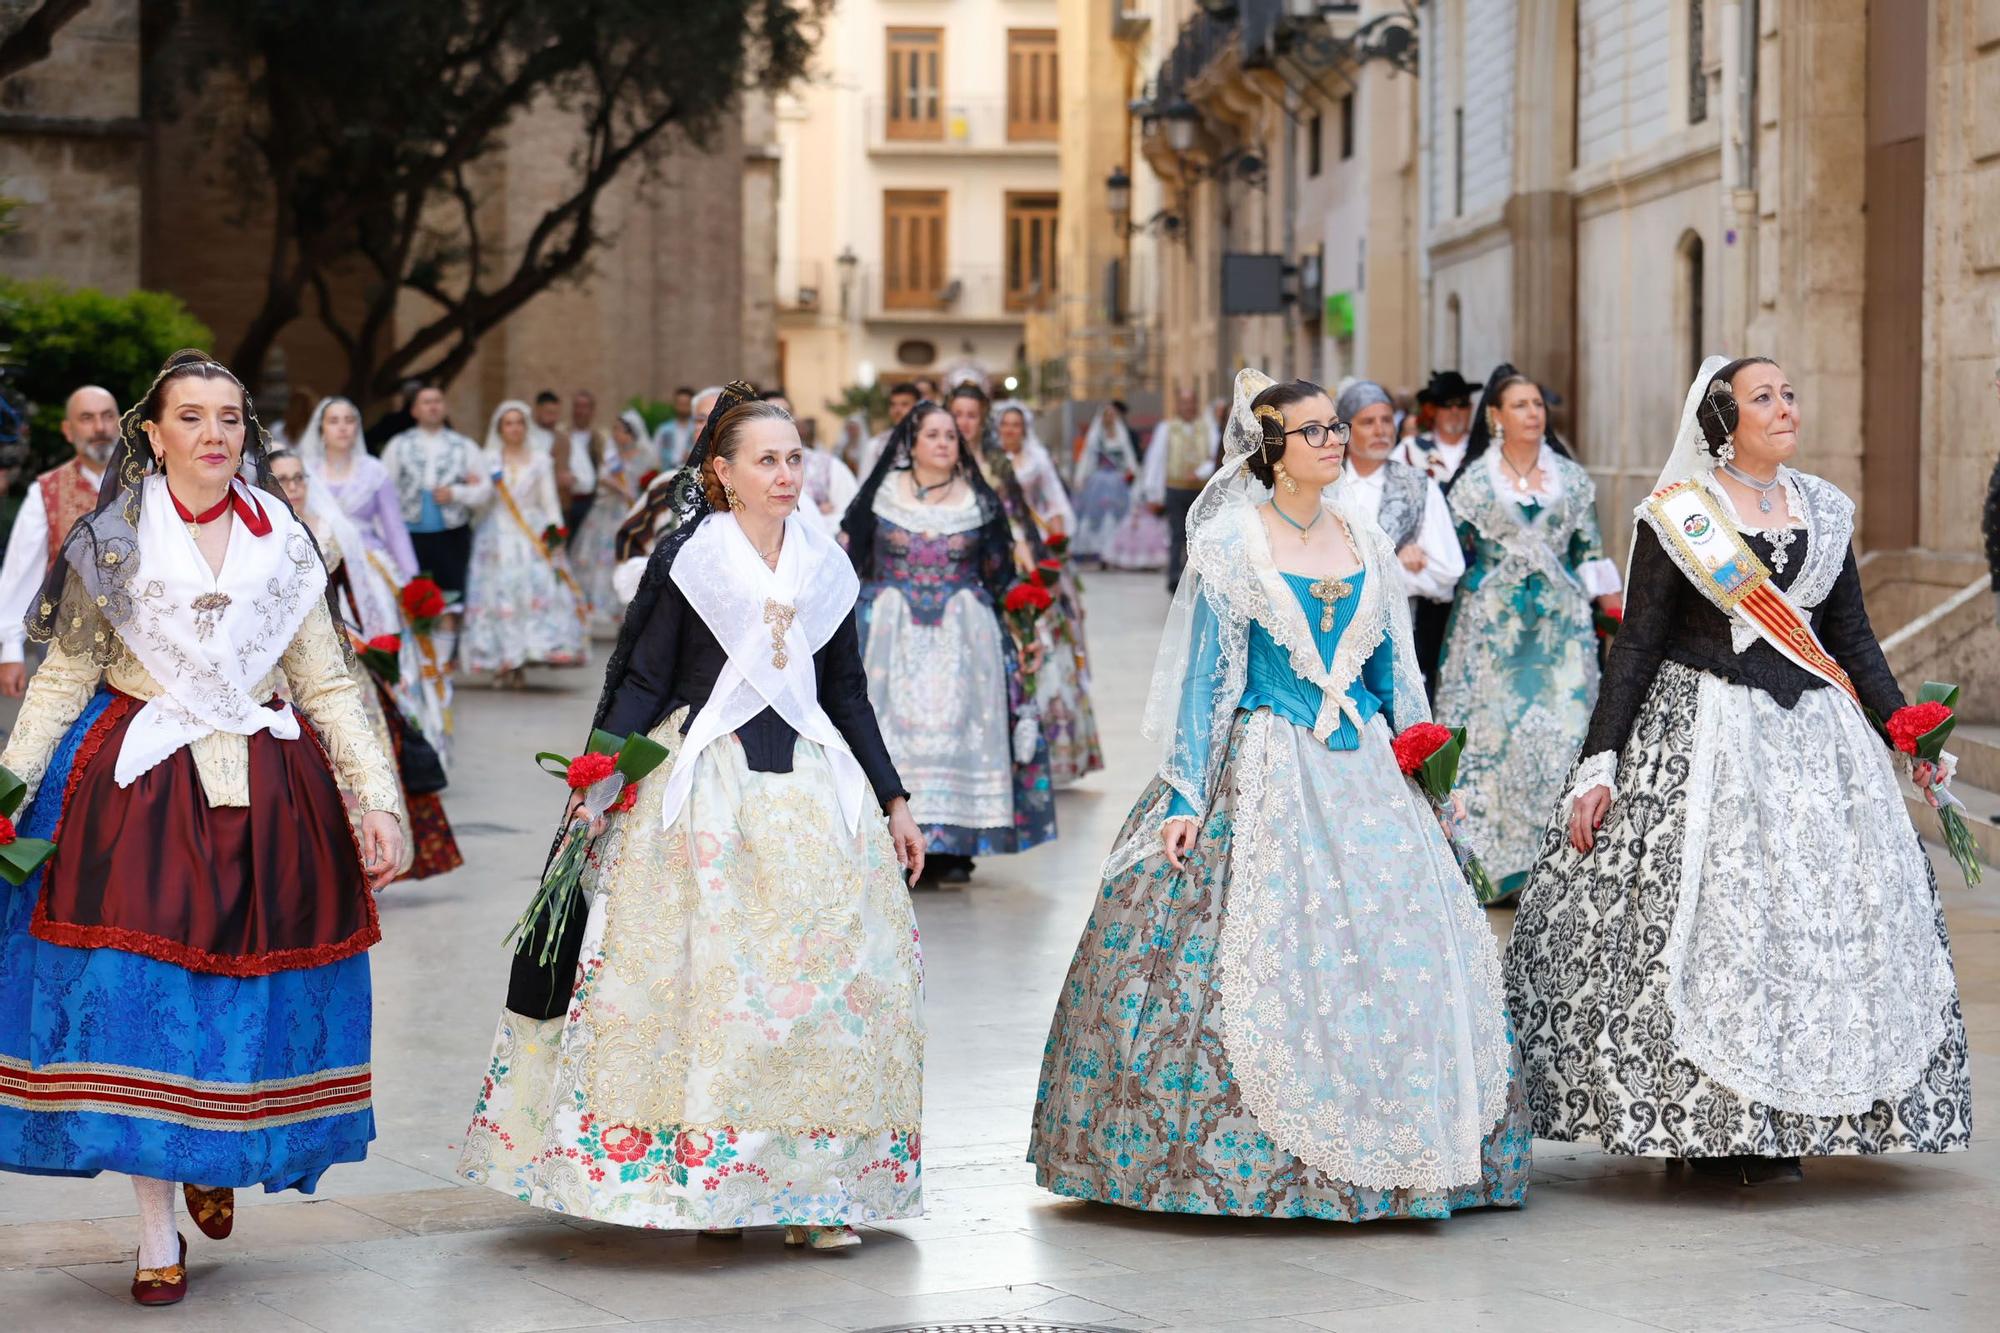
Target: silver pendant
[(1763, 504)]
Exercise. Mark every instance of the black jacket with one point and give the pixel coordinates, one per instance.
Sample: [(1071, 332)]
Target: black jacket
[(677, 660), (1667, 619)]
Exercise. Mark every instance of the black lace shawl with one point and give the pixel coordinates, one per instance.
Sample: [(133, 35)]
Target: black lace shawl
[(996, 542)]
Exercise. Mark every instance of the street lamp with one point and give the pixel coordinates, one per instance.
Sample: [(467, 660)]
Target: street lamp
[(1182, 122), (848, 262), (1118, 193)]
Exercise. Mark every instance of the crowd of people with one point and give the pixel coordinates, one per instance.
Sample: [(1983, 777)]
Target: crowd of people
[(864, 664)]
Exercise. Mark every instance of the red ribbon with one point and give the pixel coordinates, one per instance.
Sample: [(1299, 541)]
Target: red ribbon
[(246, 507)]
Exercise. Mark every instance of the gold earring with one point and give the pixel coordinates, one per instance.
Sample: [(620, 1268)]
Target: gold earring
[(729, 494), (1291, 487), (1493, 426)]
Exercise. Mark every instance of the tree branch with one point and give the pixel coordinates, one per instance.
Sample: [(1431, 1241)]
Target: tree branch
[(31, 43)]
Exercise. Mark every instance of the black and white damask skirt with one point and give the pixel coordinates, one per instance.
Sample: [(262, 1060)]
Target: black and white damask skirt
[(1753, 959)]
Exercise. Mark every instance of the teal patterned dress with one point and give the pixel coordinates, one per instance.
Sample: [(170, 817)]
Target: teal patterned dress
[(1520, 667), (1305, 1022)]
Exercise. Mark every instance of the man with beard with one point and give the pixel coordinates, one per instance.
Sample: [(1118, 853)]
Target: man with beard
[(58, 499)]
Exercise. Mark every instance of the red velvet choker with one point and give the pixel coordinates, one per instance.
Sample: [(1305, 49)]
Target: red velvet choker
[(246, 507)]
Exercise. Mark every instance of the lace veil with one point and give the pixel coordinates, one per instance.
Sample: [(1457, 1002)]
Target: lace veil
[(1689, 458), (311, 447), (1190, 709)]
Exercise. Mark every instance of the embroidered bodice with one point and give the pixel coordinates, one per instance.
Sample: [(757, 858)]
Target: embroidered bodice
[(313, 671), (930, 553), (1271, 681)]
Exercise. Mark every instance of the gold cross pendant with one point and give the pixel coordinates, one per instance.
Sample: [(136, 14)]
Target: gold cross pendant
[(1326, 592), (779, 617)]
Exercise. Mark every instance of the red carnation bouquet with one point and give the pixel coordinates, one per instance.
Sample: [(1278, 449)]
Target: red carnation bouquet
[(423, 603), (1920, 731), (607, 773), (1428, 755), (383, 656), (1058, 544), (554, 537), (1607, 624), (19, 857), (1026, 601)]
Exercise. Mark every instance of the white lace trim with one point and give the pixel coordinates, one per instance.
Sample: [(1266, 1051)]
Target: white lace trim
[(1805, 971), (1279, 928), (943, 520), (1598, 770)]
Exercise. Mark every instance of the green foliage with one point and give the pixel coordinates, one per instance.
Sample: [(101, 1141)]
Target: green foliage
[(871, 399), (655, 412), (59, 338)]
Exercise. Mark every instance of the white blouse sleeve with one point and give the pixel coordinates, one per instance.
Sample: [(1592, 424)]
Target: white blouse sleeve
[(1444, 558)]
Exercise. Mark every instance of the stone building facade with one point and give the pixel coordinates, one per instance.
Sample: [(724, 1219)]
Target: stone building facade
[(125, 181)]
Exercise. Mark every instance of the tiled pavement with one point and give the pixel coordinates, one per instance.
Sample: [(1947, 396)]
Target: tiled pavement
[(1604, 1244)]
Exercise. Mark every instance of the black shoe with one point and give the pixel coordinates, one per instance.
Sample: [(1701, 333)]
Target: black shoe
[(948, 869)]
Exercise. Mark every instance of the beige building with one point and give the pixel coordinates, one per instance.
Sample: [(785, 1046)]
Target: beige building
[(1264, 161), (1613, 188), (918, 195)]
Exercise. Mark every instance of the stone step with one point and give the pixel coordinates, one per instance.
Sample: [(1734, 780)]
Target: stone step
[(1977, 745), (1982, 812)]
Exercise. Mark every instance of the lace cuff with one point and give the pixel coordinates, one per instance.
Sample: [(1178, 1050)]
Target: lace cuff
[(1598, 577), (1599, 770)]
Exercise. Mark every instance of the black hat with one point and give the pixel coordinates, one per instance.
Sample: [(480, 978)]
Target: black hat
[(1448, 386)]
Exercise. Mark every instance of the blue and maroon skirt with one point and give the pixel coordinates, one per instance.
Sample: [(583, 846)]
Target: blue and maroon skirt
[(184, 989)]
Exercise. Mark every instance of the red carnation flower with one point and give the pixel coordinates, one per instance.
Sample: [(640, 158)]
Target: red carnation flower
[(587, 769), (422, 599), (385, 643), (1417, 744), (626, 800), (7, 834), (1909, 725), (1028, 597)]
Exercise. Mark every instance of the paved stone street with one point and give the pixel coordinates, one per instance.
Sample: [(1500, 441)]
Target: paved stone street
[(1603, 1245)]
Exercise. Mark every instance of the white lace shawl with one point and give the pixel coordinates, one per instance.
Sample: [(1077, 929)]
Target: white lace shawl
[(209, 639), (1230, 567), (769, 623)]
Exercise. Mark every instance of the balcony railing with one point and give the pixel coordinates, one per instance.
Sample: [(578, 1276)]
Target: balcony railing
[(973, 294), (954, 125)]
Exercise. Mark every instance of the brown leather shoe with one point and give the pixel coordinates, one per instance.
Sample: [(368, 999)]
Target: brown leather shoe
[(213, 1210), (162, 1286)]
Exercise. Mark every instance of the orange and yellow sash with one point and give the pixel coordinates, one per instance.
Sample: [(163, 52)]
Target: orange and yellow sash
[(1721, 565)]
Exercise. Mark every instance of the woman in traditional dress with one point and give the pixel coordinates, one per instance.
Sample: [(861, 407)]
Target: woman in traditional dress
[(744, 1045), (369, 609), (594, 547), (522, 606), (1141, 540), (338, 457), (1285, 1002), (1519, 671), (1732, 948), (184, 987), (1062, 686), (1104, 476), (934, 552)]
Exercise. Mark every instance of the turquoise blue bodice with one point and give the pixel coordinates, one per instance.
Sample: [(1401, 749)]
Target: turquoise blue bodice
[(1270, 682)]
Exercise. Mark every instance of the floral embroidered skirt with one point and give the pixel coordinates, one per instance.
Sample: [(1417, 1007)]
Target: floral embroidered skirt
[(1101, 505), (1140, 541), (111, 1060), (1520, 674), (1062, 692), (1753, 959), (593, 555), (744, 1046), (519, 610), (1306, 1023)]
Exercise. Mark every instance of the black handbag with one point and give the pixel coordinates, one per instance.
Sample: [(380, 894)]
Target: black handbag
[(423, 769)]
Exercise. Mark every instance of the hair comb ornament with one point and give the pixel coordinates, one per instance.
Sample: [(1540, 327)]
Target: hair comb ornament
[(1271, 414)]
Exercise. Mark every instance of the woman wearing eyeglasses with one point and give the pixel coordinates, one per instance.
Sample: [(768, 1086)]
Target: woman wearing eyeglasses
[(1519, 670), (1285, 1002)]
